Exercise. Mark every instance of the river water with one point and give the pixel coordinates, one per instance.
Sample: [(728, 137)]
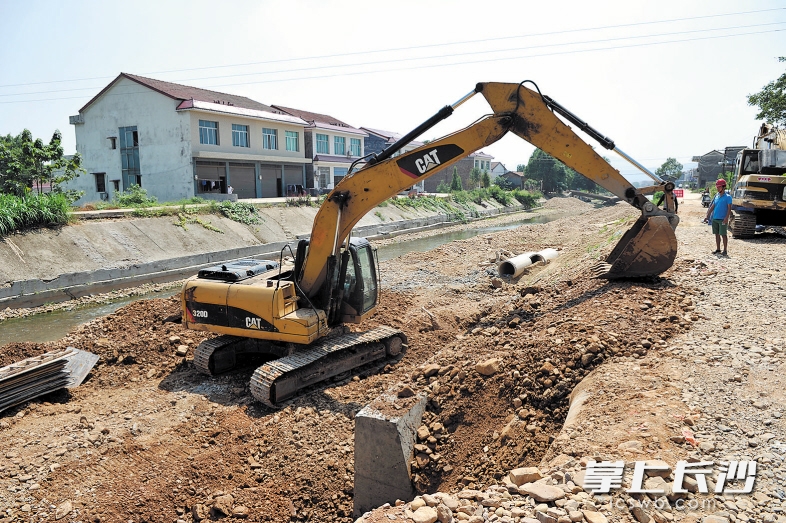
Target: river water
[(54, 325)]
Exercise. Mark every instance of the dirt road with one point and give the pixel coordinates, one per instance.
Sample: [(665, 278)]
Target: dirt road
[(148, 439)]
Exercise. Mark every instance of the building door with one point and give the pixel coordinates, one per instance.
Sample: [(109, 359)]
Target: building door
[(271, 176), (241, 178)]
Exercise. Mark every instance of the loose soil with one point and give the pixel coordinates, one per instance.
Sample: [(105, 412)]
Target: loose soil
[(147, 438)]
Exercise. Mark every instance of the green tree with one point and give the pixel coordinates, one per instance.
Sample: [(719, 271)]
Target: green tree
[(26, 164), (545, 168), (579, 182), (455, 183), (670, 170), (485, 180), (771, 100), (474, 177), (503, 183)]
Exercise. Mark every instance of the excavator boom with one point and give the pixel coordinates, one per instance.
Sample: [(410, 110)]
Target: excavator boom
[(648, 251)]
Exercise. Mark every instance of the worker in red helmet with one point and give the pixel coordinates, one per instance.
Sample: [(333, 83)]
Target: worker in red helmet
[(720, 210)]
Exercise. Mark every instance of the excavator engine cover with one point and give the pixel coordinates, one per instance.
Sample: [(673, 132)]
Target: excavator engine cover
[(646, 249)]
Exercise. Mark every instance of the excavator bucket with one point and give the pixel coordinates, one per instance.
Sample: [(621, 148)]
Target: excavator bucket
[(646, 249)]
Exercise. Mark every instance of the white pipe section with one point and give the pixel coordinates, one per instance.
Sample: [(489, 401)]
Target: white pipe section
[(514, 267), (546, 255)]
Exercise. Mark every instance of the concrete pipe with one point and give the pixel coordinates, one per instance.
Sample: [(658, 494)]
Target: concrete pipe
[(546, 255), (514, 267)]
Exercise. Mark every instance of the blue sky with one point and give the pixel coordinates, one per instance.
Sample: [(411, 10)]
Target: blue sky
[(663, 79)]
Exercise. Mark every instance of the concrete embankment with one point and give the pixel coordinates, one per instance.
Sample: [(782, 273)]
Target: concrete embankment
[(51, 265)]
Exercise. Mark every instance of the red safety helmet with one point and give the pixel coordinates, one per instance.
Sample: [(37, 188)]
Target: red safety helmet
[(720, 183)]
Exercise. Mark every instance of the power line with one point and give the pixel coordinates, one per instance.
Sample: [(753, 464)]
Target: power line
[(484, 60), (409, 48), (442, 56)]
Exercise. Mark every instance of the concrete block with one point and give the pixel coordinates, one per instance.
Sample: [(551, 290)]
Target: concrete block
[(384, 440)]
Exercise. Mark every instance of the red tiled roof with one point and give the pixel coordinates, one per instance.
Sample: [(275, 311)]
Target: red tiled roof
[(185, 92), (312, 117)]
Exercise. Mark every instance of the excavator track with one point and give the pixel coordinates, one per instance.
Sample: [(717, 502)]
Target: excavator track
[(206, 352), (281, 379)]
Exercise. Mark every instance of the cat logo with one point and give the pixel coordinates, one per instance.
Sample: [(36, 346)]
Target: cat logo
[(428, 162), (253, 323), (419, 164)]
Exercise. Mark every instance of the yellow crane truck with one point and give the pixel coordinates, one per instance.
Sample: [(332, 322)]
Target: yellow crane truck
[(294, 313)]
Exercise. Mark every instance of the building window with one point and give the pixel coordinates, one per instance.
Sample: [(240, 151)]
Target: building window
[(338, 174), (323, 146), (354, 146), (269, 138), (113, 142), (324, 174), (240, 135), (208, 132), (293, 141), (100, 182), (339, 145), (129, 156), (116, 185)]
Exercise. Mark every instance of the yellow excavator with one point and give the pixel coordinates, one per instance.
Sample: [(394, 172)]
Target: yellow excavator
[(294, 313)]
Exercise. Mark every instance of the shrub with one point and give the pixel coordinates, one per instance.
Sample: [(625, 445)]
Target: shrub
[(500, 195), (135, 196), (527, 198), (443, 187)]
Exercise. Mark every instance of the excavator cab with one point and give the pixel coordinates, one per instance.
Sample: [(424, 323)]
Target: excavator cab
[(360, 287)]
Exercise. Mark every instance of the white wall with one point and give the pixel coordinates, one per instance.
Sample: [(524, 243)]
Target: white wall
[(164, 142)]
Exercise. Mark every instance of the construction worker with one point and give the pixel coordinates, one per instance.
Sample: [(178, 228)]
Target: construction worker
[(720, 210)]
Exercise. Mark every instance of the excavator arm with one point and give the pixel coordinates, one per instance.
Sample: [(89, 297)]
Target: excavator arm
[(649, 248)]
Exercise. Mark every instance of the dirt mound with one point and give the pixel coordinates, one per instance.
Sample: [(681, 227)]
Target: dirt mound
[(148, 438)]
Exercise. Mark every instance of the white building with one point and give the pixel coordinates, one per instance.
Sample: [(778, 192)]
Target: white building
[(178, 142), (332, 146)]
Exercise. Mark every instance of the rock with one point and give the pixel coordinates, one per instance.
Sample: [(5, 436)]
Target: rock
[(405, 392), (496, 283), (223, 504), (417, 503), (541, 492), (424, 515), (431, 370), (576, 516), (488, 367), (444, 514), (545, 518), (524, 475), (199, 512), (423, 433), (182, 350), (714, 519), (63, 509), (639, 514), (174, 339), (661, 469), (431, 501), (240, 512), (632, 445), (594, 517)]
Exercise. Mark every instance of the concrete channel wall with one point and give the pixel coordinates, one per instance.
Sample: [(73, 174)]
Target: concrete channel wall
[(36, 292)]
